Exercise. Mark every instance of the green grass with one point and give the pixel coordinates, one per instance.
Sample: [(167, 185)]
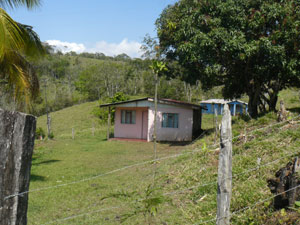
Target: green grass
[(64, 160)]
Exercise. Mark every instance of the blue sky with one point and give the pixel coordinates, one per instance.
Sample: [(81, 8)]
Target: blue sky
[(108, 26)]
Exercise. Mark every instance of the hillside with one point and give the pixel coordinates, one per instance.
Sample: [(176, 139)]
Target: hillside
[(80, 182)]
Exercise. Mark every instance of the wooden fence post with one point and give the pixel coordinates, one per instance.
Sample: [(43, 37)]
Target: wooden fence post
[(108, 123), (73, 133), (49, 126), (216, 120), (282, 113), (225, 170), (17, 133)]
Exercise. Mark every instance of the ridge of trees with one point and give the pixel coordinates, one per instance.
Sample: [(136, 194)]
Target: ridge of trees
[(71, 78)]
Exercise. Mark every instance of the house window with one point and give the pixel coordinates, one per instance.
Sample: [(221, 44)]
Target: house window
[(170, 120), (128, 116)]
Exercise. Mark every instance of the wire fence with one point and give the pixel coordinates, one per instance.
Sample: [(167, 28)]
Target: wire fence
[(145, 162), (258, 167), (188, 189), (237, 212)]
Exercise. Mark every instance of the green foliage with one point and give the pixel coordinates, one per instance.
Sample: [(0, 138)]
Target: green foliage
[(158, 67), (75, 78), (145, 203), (18, 44), (40, 133), (102, 113), (250, 47), (51, 135)]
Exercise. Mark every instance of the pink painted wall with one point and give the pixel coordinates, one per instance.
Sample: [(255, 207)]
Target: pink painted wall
[(185, 124), (130, 130)]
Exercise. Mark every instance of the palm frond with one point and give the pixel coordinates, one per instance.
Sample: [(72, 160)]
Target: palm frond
[(20, 75), (17, 3), (33, 47), (10, 34), (18, 41)]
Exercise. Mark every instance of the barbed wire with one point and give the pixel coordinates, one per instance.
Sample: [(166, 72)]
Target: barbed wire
[(248, 207), (176, 192), (235, 175), (142, 163), (82, 214)]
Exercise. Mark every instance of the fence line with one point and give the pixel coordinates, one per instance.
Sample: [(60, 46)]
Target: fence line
[(235, 175), (181, 191), (250, 206), (141, 163), (80, 215)]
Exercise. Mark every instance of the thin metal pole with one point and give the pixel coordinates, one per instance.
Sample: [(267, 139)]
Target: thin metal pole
[(155, 125)]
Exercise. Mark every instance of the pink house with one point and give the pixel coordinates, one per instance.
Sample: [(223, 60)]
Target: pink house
[(176, 120)]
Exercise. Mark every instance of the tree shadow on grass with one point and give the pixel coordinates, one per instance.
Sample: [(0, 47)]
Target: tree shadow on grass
[(34, 177), (294, 110), (44, 162), (176, 143), (203, 133)]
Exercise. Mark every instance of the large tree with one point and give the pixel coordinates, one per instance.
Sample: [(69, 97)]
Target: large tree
[(18, 44), (250, 47)]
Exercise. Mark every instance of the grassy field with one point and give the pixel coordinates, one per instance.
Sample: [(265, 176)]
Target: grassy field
[(65, 160), (131, 196)]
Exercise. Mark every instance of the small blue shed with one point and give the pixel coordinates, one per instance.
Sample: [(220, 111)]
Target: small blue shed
[(236, 106)]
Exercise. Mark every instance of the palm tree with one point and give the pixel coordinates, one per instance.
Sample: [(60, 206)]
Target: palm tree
[(18, 44)]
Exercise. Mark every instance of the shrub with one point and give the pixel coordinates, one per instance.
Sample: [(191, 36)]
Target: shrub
[(40, 133), (51, 135), (102, 113)]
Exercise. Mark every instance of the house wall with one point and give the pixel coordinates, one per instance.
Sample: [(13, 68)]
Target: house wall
[(239, 108), (211, 108), (185, 124), (129, 130)]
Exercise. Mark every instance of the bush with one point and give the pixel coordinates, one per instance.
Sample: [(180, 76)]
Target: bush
[(51, 135), (102, 113), (40, 133)]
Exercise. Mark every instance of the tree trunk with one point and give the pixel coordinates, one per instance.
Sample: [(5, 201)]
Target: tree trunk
[(273, 101), (253, 104)]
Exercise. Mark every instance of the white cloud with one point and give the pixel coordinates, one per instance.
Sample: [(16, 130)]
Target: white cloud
[(131, 48), (112, 49), (66, 46)]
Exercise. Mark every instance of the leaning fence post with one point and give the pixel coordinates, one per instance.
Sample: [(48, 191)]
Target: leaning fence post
[(225, 170), (73, 133), (17, 133), (216, 130), (108, 123)]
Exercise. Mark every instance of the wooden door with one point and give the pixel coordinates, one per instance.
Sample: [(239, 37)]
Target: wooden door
[(144, 124)]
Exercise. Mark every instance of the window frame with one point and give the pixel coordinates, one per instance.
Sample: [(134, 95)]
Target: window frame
[(164, 124), (132, 119)]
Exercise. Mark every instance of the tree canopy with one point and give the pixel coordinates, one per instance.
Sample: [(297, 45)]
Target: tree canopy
[(250, 47)]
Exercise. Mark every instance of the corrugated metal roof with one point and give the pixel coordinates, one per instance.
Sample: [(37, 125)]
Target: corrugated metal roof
[(162, 101), (221, 101)]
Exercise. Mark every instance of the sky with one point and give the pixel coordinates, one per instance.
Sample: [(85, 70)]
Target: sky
[(109, 26)]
